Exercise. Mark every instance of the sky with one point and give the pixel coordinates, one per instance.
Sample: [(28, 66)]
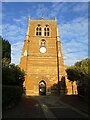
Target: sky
[(72, 20)]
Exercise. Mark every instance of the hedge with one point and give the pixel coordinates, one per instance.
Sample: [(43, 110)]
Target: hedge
[(11, 95)]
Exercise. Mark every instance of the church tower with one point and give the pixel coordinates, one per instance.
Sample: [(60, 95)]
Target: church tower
[(42, 58)]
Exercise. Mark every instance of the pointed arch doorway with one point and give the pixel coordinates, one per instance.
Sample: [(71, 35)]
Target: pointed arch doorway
[(42, 87)]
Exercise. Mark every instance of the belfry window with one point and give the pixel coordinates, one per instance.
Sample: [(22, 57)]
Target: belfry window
[(38, 30), (47, 30)]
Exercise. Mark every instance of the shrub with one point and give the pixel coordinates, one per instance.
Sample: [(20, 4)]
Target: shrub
[(12, 75), (11, 95)]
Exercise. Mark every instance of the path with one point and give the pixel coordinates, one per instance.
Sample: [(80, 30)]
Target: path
[(44, 107), (55, 108), (27, 108)]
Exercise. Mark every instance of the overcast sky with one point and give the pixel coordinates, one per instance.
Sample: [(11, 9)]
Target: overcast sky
[(72, 19)]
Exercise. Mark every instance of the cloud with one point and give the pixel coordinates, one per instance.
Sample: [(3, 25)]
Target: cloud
[(73, 32), (76, 29), (20, 21), (58, 8), (15, 31), (74, 39), (16, 36), (81, 7), (16, 52), (42, 10)]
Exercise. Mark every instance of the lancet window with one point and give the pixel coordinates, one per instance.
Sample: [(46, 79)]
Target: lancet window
[(47, 30), (38, 30)]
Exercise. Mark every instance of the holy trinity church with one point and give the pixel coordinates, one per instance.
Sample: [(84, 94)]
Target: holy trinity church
[(42, 58)]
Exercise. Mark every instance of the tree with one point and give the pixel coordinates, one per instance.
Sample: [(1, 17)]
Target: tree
[(12, 75), (6, 50), (80, 73), (83, 65), (72, 75), (84, 81)]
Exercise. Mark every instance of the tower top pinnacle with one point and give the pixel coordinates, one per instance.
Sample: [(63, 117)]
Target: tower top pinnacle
[(28, 18), (42, 17), (55, 18), (27, 34)]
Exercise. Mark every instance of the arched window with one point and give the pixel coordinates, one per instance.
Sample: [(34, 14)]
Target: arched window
[(43, 43), (38, 30), (47, 30), (43, 46)]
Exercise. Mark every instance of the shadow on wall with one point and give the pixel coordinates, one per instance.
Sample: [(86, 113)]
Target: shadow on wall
[(59, 87)]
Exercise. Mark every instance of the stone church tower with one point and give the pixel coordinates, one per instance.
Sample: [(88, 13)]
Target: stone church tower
[(42, 58)]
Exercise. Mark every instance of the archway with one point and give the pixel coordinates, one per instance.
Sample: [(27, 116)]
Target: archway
[(42, 87)]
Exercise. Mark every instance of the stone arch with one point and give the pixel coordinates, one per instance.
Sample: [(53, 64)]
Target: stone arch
[(42, 87), (46, 80)]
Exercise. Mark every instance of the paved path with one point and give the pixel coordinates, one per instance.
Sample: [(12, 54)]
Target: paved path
[(44, 107), (76, 102), (27, 108), (55, 108)]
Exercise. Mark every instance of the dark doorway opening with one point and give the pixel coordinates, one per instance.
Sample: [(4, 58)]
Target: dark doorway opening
[(42, 88)]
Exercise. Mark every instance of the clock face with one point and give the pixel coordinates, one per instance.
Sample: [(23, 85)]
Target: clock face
[(42, 49)]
